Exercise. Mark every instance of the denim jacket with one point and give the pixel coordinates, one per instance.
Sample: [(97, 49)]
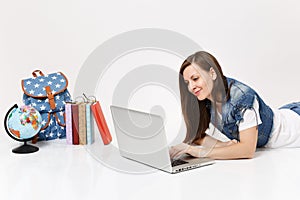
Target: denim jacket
[(241, 99)]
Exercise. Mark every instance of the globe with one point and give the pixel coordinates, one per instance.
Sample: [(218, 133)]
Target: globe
[(22, 124)]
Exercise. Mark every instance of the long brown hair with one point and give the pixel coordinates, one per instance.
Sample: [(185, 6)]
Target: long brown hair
[(196, 113)]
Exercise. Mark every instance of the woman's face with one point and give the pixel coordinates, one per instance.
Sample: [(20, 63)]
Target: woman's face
[(199, 82)]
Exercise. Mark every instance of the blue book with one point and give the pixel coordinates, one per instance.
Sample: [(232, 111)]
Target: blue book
[(89, 125)]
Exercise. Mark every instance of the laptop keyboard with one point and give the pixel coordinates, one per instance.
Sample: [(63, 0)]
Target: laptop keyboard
[(178, 162)]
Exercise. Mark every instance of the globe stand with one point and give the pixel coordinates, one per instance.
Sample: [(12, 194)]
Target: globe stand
[(25, 148)]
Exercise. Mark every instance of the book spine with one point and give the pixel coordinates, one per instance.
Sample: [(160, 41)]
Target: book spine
[(101, 123), (89, 125), (82, 123), (68, 111), (75, 128)]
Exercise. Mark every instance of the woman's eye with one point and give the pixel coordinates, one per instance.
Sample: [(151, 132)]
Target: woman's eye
[(195, 79)]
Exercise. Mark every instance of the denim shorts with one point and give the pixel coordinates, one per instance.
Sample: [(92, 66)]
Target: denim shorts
[(292, 106)]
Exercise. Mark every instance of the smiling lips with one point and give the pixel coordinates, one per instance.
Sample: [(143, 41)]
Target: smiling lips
[(196, 93)]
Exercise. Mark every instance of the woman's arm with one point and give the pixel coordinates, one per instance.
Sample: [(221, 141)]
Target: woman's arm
[(243, 149), (208, 140)]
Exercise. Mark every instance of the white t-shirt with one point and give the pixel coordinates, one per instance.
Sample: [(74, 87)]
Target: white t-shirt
[(251, 117), (285, 131)]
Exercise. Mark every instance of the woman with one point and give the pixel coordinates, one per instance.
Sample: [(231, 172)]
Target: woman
[(227, 119)]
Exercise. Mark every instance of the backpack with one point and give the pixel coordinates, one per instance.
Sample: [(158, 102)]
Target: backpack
[(48, 94)]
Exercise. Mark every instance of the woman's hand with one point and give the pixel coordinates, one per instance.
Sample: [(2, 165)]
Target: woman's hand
[(178, 150), (196, 151), (183, 148)]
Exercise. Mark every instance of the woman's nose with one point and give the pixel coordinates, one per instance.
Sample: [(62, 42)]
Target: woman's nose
[(193, 85)]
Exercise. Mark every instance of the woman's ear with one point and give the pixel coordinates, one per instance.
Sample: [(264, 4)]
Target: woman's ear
[(213, 73)]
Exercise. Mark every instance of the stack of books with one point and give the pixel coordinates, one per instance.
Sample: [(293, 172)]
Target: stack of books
[(80, 124)]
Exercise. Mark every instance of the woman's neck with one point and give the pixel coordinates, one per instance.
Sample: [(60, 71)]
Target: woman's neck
[(217, 104)]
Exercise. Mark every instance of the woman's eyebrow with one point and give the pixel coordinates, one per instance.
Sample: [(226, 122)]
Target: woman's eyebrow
[(191, 77), (194, 75)]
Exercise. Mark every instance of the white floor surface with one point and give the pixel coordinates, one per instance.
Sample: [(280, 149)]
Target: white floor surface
[(60, 171)]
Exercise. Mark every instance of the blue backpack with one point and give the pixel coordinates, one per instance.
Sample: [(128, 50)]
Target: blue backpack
[(48, 94)]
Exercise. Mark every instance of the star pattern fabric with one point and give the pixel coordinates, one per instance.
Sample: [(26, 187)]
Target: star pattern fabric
[(35, 87), (35, 96)]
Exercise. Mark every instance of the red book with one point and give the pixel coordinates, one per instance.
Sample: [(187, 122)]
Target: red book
[(75, 124), (101, 123)]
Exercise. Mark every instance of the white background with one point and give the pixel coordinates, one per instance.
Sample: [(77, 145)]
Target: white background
[(255, 41)]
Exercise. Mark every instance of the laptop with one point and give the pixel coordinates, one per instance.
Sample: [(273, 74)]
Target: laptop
[(141, 137)]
